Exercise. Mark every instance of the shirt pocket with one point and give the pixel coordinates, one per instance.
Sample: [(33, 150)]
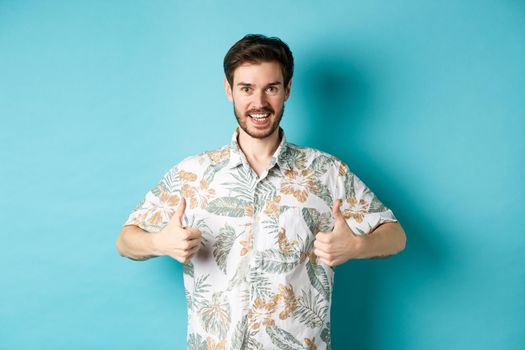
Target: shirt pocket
[(297, 228), (294, 233)]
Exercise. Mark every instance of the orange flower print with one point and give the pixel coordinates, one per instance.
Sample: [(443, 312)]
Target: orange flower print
[(205, 193), (187, 176), (247, 244), (219, 155), (249, 210), (310, 343), (163, 208), (272, 206), (342, 170), (356, 210), (290, 302), (189, 193), (261, 313), (285, 245), (299, 184), (300, 161), (198, 195), (211, 344), (308, 255)]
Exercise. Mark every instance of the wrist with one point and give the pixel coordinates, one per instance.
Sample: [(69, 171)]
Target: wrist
[(155, 244), (362, 246)]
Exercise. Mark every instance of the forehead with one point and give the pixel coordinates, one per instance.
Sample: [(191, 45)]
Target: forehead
[(258, 73)]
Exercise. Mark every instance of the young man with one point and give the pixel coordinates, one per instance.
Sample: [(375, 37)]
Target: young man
[(259, 224)]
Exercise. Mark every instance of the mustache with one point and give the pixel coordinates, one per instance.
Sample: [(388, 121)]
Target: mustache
[(261, 110)]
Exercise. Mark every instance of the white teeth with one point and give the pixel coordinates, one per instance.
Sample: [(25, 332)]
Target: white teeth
[(259, 116)]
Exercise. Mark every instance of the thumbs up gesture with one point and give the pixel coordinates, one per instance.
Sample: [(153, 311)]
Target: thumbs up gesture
[(339, 245), (176, 240)]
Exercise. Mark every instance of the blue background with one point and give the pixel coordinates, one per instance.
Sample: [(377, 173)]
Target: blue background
[(423, 99)]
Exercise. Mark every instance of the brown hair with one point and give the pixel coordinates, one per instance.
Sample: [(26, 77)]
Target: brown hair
[(257, 48)]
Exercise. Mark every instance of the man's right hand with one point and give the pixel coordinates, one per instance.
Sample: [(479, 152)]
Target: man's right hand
[(175, 240)]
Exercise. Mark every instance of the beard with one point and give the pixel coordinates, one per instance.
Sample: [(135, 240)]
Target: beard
[(258, 134)]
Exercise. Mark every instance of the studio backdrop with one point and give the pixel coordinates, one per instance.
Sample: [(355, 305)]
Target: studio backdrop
[(423, 99)]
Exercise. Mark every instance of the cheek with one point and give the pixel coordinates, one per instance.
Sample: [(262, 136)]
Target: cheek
[(277, 103)]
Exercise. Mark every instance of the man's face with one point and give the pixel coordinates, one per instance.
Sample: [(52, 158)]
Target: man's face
[(258, 95)]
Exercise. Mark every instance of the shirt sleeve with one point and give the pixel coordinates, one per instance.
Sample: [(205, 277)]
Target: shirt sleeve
[(360, 207), (158, 205)]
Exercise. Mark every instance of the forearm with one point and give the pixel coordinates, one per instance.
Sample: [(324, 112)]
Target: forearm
[(135, 243), (386, 240)]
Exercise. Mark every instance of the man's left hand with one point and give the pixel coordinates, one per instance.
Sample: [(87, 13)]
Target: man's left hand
[(339, 245)]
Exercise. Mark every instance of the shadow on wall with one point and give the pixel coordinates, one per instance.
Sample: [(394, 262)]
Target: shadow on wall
[(340, 97)]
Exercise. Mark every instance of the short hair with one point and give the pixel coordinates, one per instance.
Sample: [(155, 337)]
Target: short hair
[(257, 48)]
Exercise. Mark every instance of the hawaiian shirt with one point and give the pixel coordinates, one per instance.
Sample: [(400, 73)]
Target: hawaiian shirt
[(255, 282)]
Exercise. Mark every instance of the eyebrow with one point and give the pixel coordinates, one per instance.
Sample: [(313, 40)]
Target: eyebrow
[(270, 84)]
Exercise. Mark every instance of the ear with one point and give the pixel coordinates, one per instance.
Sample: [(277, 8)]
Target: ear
[(287, 90), (228, 89)]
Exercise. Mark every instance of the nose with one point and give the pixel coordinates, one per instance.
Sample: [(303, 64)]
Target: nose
[(259, 99)]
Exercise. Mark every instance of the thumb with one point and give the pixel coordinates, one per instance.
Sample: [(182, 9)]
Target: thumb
[(336, 211), (179, 214)]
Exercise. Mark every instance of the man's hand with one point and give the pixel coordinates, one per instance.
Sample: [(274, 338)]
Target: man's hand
[(175, 240), (339, 245)]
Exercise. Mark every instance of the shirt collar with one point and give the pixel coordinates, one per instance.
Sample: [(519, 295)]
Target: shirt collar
[(237, 157)]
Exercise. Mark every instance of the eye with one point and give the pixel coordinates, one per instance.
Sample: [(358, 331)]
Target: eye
[(272, 90), (245, 89)]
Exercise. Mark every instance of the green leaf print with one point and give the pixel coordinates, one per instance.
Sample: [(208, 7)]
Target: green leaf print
[(187, 269), (311, 217), (223, 245), (237, 342), (326, 337), (311, 310), (273, 260), (169, 183), (376, 206), (324, 193), (260, 284), (283, 340), (321, 164), (251, 343), (228, 206), (197, 298), (215, 315), (271, 225), (213, 169), (319, 279), (244, 186), (196, 342), (239, 276), (349, 184), (264, 191)]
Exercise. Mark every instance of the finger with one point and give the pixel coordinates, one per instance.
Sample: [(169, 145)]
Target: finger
[(324, 237), (186, 245), (193, 252), (179, 214), (185, 256), (321, 245), (192, 233), (336, 210), (322, 254), (192, 243)]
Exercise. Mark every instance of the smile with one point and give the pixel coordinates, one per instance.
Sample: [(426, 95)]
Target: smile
[(259, 116)]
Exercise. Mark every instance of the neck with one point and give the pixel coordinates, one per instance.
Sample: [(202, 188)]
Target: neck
[(257, 150)]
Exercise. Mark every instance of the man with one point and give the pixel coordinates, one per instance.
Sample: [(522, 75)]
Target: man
[(260, 224)]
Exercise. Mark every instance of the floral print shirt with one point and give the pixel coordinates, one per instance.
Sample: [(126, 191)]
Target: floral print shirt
[(255, 282)]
